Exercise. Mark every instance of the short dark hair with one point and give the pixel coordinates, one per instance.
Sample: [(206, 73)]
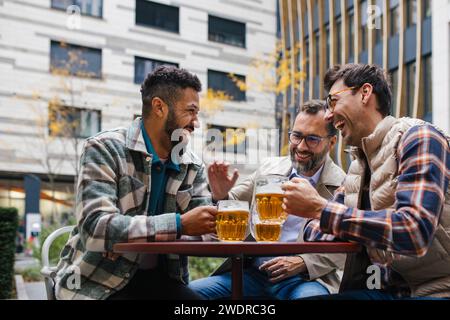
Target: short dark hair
[(165, 82), (356, 74), (314, 107)]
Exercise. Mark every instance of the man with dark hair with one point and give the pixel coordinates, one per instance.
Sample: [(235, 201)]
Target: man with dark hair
[(287, 277), (131, 188), (394, 200)]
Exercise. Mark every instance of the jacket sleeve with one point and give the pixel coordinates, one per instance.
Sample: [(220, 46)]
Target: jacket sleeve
[(244, 190), (100, 222), (319, 265), (201, 196)]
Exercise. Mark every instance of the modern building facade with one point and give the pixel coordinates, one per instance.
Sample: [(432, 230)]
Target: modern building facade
[(106, 49), (408, 38)]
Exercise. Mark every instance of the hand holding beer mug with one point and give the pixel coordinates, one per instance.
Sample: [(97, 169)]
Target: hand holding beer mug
[(232, 220), (268, 216)]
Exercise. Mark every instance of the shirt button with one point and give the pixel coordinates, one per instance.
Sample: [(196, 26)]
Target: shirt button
[(158, 168), (148, 159), (127, 275), (107, 291)]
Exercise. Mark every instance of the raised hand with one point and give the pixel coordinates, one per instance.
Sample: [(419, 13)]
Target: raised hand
[(220, 181)]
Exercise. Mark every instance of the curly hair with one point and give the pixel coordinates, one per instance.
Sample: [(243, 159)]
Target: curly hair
[(356, 75), (166, 83)]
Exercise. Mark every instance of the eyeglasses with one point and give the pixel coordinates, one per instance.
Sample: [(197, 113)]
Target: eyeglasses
[(331, 104), (312, 141)]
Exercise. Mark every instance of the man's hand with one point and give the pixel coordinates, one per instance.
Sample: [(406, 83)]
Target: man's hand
[(199, 221), (302, 199), (280, 268), (219, 180)]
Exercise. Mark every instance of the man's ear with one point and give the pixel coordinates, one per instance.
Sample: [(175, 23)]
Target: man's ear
[(367, 90), (333, 141), (159, 108)]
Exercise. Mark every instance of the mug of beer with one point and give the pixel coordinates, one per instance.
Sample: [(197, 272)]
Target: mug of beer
[(265, 230), (269, 197), (232, 220)]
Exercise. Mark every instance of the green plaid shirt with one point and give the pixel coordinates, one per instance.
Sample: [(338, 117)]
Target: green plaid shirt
[(112, 201)]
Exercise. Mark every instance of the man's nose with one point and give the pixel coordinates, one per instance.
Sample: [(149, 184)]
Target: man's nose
[(196, 123), (328, 115), (302, 146)]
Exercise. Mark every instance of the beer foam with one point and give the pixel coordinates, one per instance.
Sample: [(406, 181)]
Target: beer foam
[(233, 205), (276, 189)]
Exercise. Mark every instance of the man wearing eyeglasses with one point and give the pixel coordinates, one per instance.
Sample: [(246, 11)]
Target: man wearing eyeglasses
[(395, 198), (290, 277)]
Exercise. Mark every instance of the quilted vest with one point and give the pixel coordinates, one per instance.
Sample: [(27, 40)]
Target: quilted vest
[(428, 275)]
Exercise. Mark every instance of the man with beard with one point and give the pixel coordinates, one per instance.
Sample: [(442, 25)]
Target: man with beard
[(290, 277), (395, 198), (131, 188)]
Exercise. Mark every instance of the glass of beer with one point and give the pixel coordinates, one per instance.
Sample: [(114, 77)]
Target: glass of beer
[(232, 220), (265, 230), (269, 197)]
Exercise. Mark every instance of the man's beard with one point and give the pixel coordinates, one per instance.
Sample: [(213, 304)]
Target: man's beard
[(171, 125), (177, 136), (313, 164)]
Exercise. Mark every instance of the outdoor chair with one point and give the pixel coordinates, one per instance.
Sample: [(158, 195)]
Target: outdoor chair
[(49, 272)]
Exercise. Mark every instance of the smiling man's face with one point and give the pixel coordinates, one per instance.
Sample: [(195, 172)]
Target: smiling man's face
[(348, 113), (305, 159), (184, 114)]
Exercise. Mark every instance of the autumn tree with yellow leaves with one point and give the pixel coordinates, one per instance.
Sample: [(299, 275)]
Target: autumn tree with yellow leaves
[(273, 75), (56, 127)]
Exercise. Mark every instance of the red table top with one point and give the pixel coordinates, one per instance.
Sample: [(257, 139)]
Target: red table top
[(224, 249)]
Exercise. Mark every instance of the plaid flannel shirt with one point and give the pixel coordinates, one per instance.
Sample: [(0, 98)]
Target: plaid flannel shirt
[(111, 207), (407, 229)]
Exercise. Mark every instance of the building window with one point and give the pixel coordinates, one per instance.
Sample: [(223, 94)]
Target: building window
[(71, 122), (327, 34), (234, 139), (339, 39), (363, 28), (395, 20), (157, 15), (426, 8), (379, 22), (411, 13), (351, 32), (394, 82), (307, 73), (144, 66), (410, 84), (427, 89), (70, 59), (307, 60), (226, 31), (317, 52), (92, 8), (220, 81)]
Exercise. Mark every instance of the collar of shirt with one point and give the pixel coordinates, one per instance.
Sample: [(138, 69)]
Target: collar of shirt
[(313, 180), (155, 159)]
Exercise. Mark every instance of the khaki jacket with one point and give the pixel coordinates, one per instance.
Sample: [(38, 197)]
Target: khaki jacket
[(325, 268)]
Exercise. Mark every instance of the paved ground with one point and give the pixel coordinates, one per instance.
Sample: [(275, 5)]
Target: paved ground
[(36, 290), (33, 290)]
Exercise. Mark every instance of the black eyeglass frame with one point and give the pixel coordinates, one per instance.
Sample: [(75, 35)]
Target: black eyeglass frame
[(318, 139)]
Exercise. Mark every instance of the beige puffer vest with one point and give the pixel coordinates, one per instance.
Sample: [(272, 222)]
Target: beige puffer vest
[(428, 275)]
